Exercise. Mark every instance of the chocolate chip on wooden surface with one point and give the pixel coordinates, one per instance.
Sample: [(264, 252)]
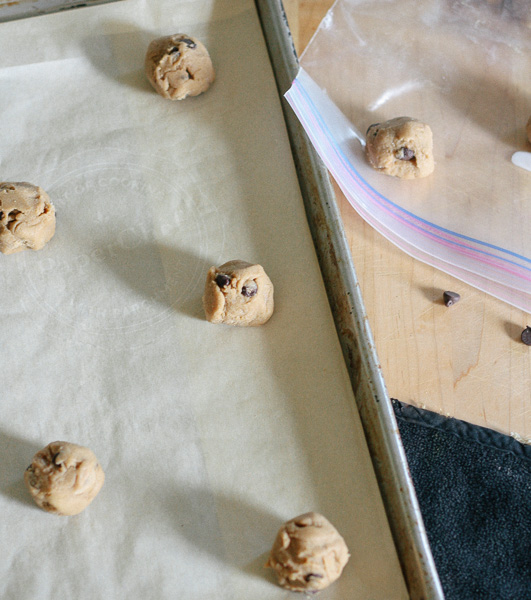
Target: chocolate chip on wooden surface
[(451, 298), (526, 336)]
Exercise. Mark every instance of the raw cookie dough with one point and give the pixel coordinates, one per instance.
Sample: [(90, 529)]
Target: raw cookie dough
[(64, 478), (308, 553), (178, 66), (238, 293), (528, 129), (401, 147), (27, 217)]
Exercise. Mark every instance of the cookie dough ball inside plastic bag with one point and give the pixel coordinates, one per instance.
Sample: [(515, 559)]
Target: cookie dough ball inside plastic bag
[(178, 66), (308, 553), (64, 478), (401, 147), (27, 217), (238, 293)]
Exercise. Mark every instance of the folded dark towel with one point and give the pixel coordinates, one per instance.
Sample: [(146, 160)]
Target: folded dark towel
[(474, 489)]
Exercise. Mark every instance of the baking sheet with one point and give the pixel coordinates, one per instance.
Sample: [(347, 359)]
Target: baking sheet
[(10, 10), (210, 436)]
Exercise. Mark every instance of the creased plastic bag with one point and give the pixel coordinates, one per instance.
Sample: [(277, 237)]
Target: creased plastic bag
[(462, 67)]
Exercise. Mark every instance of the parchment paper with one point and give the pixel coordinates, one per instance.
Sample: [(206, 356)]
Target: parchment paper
[(210, 436)]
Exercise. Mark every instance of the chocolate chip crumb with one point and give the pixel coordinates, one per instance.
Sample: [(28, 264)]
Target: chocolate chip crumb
[(222, 280), (174, 50), (249, 288), (451, 298), (404, 153), (314, 575), (526, 336)]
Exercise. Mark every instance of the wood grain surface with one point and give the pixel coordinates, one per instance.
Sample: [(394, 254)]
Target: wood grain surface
[(465, 361)]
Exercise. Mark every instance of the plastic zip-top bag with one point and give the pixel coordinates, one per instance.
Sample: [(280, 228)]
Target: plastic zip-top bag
[(462, 67)]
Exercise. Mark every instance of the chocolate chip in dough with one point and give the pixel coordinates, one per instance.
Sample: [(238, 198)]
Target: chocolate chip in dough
[(222, 280), (249, 288), (405, 153), (190, 43)]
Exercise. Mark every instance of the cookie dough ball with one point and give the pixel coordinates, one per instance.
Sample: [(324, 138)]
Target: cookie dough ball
[(528, 130), (308, 553), (178, 66), (238, 293), (64, 478), (401, 147), (27, 217)]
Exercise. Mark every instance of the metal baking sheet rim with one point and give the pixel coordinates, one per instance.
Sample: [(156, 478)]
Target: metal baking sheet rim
[(372, 398), (11, 10)]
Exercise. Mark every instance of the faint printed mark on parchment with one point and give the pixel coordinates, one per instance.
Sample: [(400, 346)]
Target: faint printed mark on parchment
[(130, 247)]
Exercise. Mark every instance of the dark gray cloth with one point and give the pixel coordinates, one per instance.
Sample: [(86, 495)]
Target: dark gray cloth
[(474, 489)]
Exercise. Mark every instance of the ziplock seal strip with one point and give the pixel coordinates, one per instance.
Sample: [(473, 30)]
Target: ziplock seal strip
[(368, 201)]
